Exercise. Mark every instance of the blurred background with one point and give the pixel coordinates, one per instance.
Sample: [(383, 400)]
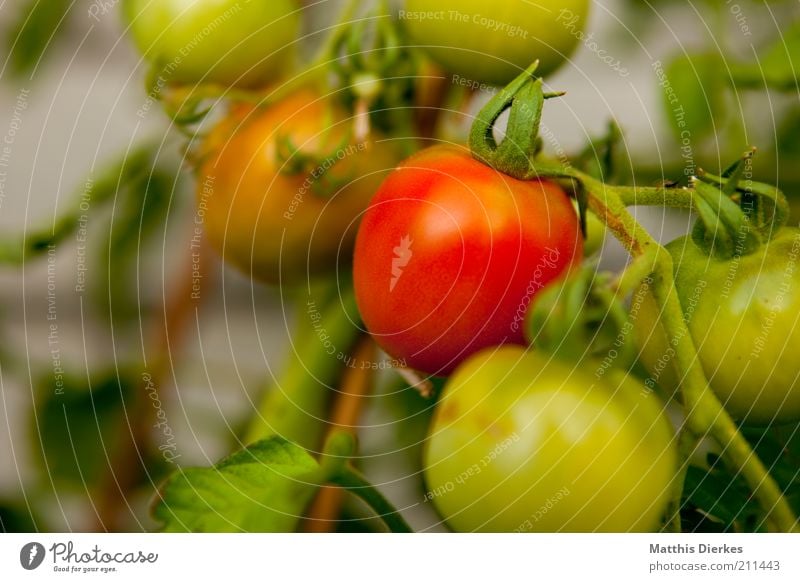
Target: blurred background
[(86, 322)]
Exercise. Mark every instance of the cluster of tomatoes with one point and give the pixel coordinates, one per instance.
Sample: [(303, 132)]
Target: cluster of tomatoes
[(447, 256)]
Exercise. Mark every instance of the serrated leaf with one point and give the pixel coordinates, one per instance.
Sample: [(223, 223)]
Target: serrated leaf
[(263, 488), (695, 95), (79, 427), (36, 29), (716, 496), (723, 496)]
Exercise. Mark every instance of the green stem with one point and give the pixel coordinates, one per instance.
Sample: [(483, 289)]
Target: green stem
[(705, 413), (354, 482), (137, 164), (638, 269), (655, 196), (295, 405), (687, 442)]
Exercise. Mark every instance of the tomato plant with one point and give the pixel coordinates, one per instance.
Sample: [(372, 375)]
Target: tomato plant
[(281, 189), (512, 34), (523, 442), (450, 253), (215, 41), (742, 313), (511, 390)]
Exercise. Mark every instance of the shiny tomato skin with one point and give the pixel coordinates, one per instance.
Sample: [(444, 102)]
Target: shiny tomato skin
[(493, 42), (228, 42), (523, 442), (277, 225), (744, 318), (450, 253)]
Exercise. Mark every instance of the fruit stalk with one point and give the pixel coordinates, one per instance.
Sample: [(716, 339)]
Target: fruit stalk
[(295, 405), (355, 388), (705, 413)]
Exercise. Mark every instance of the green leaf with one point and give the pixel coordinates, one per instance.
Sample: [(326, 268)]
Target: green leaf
[(263, 488), (724, 499), (718, 497), (80, 427), (694, 94), (779, 449), (37, 28), (779, 64), (141, 207), (15, 249)]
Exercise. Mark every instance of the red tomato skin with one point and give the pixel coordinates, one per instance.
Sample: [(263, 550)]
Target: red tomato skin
[(478, 246)]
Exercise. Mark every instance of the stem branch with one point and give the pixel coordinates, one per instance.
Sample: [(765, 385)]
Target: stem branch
[(705, 413), (295, 405), (355, 388), (352, 480)]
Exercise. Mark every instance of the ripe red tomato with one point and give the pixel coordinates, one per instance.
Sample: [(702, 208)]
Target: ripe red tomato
[(450, 253)]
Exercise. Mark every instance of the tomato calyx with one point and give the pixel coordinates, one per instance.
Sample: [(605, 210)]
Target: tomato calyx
[(736, 215), (373, 67), (581, 317), (352, 59), (514, 155)]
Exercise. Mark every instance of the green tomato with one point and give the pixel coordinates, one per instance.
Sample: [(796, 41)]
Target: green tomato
[(744, 317), (523, 442), (228, 42), (494, 42)]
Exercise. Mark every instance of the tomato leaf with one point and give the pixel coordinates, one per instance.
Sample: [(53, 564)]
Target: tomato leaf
[(38, 26), (779, 450), (716, 498), (778, 67), (694, 95), (79, 424), (263, 488), (140, 212)]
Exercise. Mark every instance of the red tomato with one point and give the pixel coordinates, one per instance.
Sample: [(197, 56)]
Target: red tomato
[(450, 253)]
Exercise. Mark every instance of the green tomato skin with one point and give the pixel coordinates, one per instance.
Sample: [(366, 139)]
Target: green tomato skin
[(523, 443), (493, 42), (595, 235), (744, 317), (228, 42)]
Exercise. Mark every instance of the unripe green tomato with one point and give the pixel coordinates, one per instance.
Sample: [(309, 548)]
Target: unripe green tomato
[(493, 42), (522, 442), (595, 233), (744, 317), (229, 42)]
